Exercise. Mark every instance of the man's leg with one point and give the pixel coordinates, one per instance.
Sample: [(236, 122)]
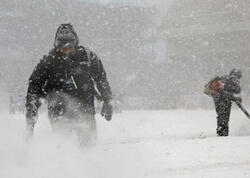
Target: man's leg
[(61, 127), (86, 130), (223, 109)]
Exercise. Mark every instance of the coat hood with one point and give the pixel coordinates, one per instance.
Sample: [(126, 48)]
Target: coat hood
[(65, 33)]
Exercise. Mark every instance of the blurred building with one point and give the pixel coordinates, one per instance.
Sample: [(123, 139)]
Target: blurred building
[(154, 58), (205, 38)]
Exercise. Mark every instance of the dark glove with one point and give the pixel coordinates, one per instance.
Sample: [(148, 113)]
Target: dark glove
[(28, 133), (233, 97), (31, 118), (237, 99), (107, 110)]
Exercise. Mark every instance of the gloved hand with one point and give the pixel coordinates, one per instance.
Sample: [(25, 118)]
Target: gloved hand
[(238, 99), (31, 119), (28, 133), (107, 110), (32, 106)]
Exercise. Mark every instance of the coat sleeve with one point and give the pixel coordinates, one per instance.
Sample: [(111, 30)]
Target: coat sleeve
[(100, 78), (35, 90), (233, 86), (232, 89)]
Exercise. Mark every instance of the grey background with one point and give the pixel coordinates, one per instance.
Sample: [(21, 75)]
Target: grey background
[(157, 55)]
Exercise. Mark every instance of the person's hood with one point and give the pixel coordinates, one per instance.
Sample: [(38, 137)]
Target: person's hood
[(65, 32)]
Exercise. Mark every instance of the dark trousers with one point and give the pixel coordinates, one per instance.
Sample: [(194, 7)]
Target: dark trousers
[(84, 126), (223, 110), (67, 114)]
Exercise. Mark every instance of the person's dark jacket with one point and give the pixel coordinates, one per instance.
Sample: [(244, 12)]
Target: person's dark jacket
[(229, 90), (74, 75)]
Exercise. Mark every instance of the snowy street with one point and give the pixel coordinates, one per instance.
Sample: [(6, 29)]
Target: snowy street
[(135, 144), (160, 72)]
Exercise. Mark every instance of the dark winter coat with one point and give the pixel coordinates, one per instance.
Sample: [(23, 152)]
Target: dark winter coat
[(225, 87), (74, 75)]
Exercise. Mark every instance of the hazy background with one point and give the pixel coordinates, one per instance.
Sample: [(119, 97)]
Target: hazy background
[(158, 55)]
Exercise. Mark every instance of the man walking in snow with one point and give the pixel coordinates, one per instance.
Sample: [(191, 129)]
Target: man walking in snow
[(68, 78), (224, 90)]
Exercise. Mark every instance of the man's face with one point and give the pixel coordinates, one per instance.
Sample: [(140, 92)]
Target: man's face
[(67, 51), (67, 42)]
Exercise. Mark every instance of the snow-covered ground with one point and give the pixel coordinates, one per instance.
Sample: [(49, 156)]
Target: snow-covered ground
[(135, 144)]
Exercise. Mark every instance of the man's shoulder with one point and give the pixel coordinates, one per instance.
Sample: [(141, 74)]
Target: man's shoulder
[(84, 49), (46, 59), (89, 53)]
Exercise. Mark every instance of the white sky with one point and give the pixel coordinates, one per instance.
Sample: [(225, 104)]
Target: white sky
[(163, 5)]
